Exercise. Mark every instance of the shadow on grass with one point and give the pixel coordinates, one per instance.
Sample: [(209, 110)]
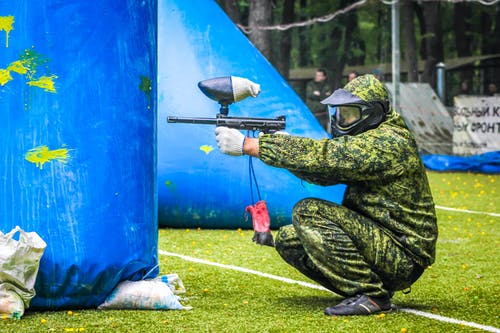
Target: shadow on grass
[(310, 302), (321, 302)]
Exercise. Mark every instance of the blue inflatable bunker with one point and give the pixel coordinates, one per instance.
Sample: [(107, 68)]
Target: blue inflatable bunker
[(197, 184), (78, 124)]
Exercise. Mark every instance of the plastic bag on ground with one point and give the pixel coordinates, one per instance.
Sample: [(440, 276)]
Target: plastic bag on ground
[(151, 294), (19, 263)]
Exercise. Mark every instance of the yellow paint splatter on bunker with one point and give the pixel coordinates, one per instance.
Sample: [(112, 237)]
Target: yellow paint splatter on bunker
[(44, 82), (17, 67), (5, 76), (7, 25), (27, 65), (41, 155), (207, 149)]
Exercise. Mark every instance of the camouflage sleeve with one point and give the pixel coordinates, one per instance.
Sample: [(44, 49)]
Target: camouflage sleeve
[(310, 88), (327, 91), (373, 155)]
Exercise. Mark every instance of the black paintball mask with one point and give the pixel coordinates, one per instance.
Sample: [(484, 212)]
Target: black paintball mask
[(350, 115)]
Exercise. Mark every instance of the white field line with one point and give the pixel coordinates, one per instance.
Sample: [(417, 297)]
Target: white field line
[(450, 320), (466, 211), (318, 287)]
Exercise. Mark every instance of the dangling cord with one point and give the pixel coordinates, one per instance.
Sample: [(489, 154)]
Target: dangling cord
[(253, 179)]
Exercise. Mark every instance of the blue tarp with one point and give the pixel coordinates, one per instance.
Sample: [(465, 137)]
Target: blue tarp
[(483, 163)]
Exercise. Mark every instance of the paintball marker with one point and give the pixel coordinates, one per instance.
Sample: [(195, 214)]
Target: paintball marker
[(227, 90)]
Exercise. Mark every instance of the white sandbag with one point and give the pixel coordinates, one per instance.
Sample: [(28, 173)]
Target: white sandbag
[(151, 294)]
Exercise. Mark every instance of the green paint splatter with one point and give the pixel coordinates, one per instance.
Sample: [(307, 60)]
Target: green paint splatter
[(171, 186), (146, 87), (32, 60)]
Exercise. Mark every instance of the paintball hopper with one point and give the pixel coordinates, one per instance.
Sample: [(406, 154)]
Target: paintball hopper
[(228, 89)]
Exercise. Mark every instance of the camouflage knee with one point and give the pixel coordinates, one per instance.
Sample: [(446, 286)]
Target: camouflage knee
[(305, 207), (283, 239)]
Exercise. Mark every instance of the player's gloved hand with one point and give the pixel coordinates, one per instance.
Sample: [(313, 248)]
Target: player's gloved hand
[(229, 140)]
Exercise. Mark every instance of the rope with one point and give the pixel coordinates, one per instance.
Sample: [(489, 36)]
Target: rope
[(253, 177), (321, 19), (326, 18), (482, 2), (253, 180)]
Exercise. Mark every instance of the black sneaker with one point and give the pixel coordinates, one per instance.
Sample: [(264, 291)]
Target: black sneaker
[(359, 305)]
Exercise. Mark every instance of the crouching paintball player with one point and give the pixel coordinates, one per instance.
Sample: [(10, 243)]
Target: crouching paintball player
[(383, 235)]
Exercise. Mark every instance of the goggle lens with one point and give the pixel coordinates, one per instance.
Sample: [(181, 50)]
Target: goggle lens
[(347, 115)]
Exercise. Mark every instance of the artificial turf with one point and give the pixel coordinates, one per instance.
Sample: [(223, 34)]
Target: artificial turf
[(463, 283)]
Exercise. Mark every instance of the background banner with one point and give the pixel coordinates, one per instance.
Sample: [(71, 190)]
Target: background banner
[(476, 125)]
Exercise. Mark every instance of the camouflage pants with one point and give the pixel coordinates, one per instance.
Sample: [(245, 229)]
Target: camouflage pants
[(344, 251)]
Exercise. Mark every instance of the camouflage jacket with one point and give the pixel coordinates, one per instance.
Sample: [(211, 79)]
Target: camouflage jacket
[(385, 177), (314, 101)]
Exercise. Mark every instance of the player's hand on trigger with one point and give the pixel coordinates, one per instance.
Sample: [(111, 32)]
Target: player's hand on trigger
[(229, 140)]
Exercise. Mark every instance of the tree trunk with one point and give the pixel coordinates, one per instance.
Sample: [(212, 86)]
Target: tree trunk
[(260, 14), (341, 35), (489, 45), (496, 33), (232, 9), (283, 63), (432, 40), (410, 40), (461, 24), (496, 47), (303, 40), (380, 18), (421, 24)]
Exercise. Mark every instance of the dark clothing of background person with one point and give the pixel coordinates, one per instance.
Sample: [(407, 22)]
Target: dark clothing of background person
[(315, 93)]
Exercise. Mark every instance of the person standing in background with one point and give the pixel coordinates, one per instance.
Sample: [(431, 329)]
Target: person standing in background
[(352, 75), (492, 89), (317, 90)]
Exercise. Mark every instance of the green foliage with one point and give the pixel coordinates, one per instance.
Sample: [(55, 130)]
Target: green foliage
[(462, 284)]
